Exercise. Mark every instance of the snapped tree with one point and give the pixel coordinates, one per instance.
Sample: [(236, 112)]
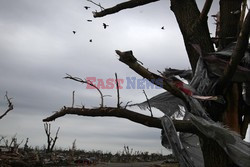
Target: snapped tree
[(219, 89), (50, 140)]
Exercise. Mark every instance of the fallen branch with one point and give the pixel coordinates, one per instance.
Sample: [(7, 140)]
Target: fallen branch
[(10, 106), (180, 125), (122, 6)]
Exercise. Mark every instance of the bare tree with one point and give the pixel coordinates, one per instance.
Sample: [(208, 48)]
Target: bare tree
[(50, 140), (219, 90), (73, 149), (26, 147), (13, 145)]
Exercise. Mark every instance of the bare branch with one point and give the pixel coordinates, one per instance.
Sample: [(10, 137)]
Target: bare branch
[(149, 107), (127, 104), (12, 140), (18, 144), (10, 106), (99, 5), (238, 54), (117, 88), (176, 88), (129, 59), (73, 98), (180, 125), (86, 82), (47, 131), (122, 6), (205, 10), (54, 140)]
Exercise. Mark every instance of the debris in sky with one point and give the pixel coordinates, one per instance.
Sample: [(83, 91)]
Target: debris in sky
[(163, 28), (74, 32), (105, 25), (86, 7), (90, 40), (89, 20)]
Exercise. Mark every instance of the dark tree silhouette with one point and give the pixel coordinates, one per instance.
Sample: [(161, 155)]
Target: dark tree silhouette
[(50, 140), (10, 106)]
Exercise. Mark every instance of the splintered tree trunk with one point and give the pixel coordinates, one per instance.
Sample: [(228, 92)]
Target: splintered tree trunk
[(196, 31), (231, 114), (230, 11)]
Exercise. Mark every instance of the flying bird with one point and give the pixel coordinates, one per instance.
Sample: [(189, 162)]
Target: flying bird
[(89, 20), (90, 40), (105, 25), (86, 7), (74, 32), (163, 28)]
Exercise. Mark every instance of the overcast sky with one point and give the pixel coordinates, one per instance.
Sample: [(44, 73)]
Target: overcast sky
[(37, 48)]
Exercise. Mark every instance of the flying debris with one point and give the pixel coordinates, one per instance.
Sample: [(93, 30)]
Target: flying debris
[(163, 28), (105, 25), (89, 20), (74, 32), (86, 7), (90, 40)]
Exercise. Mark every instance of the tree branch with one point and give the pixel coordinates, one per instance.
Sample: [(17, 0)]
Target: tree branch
[(122, 6), (180, 125), (102, 8), (238, 54), (54, 140), (205, 10), (86, 82), (117, 89), (129, 59), (176, 88), (73, 98), (10, 106), (149, 106)]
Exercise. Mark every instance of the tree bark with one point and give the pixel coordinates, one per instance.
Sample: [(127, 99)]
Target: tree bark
[(230, 11), (153, 122), (194, 30), (213, 154), (231, 114)]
